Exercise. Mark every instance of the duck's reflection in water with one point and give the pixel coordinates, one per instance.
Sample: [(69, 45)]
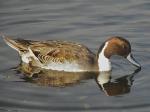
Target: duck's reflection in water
[(110, 86), (53, 78), (114, 87)]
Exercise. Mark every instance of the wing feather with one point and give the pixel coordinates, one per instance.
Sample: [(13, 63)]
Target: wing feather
[(59, 51), (44, 52)]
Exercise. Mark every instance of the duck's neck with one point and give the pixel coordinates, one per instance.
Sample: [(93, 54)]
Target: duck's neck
[(104, 63)]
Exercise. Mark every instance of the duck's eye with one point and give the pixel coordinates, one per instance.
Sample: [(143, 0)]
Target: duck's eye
[(124, 47)]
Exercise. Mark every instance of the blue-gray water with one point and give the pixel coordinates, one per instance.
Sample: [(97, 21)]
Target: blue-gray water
[(89, 22)]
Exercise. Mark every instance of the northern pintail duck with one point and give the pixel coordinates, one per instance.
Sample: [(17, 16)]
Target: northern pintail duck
[(69, 56)]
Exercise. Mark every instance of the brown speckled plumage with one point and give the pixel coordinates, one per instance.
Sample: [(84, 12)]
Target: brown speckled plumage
[(55, 51), (69, 56)]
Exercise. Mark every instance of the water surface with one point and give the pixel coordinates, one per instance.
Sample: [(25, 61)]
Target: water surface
[(87, 22)]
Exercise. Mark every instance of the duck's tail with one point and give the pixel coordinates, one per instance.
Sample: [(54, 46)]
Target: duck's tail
[(18, 44)]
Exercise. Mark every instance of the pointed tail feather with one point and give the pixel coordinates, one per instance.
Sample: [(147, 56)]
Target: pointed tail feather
[(17, 44)]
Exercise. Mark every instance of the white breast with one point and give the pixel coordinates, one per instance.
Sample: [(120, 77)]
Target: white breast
[(66, 66), (103, 62)]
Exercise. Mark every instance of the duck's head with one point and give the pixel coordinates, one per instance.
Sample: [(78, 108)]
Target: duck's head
[(115, 46)]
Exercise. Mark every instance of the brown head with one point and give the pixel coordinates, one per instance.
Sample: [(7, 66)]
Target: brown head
[(116, 46)]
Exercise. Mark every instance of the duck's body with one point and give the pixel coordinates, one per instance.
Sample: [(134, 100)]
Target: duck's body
[(68, 56), (55, 55)]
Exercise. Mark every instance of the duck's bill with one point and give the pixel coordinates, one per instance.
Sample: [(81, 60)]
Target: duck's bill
[(133, 61)]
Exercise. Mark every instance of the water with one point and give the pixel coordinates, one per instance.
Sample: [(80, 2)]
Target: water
[(87, 22)]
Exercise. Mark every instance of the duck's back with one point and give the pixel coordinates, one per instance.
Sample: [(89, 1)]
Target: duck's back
[(56, 55)]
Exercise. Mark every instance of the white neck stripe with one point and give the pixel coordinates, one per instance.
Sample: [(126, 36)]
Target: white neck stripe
[(103, 63)]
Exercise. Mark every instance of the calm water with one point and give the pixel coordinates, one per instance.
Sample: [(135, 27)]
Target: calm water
[(87, 22)]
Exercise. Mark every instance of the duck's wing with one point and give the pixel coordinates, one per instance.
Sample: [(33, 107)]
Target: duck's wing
[(52, 51), (60, 51)]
